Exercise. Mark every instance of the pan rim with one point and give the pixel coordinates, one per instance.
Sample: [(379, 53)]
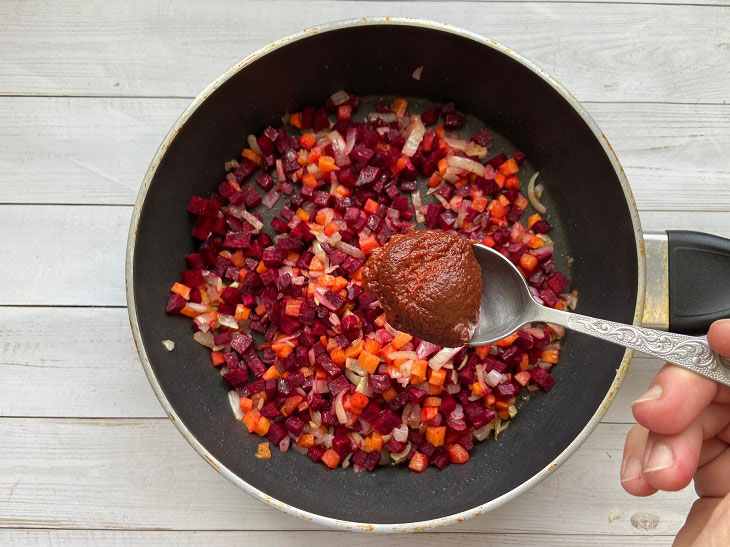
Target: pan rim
[(329, 521)]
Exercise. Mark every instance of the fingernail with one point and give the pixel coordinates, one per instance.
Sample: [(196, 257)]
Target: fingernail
[(660, 457), (652, 394), (630, 469)]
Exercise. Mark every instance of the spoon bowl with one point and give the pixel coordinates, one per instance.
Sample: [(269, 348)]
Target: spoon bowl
[(507, 305)]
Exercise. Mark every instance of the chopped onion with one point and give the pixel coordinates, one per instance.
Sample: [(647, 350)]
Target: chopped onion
[(484, 431), (350, 250), (252, 220), (416, 131), (417, 73), (280, 175), (400, 456), (403, 355), (169, 345), (466, 164), (350, 139), (362, 387), (284, 443), (204, 339), (494, 378), (340, 97), (339, 408), (417, 204), (400, 433), (235, 401), (353, 377), (228, 321), (197, 308), (534, 200), (468, 147), (387, 117), (270, 199), (254, 145), (354, 366), (438, 360)]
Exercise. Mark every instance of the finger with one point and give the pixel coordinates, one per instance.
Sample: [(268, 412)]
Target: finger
[(711, 449), (719, 337), (716, 529), (697, 517), (712, 479), (632, 477), (675, 398), (670, 461)]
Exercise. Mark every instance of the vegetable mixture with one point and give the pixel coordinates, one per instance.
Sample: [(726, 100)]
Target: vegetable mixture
[(332, 379)]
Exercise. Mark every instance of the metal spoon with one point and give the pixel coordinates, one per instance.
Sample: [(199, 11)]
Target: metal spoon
[(507, 305)]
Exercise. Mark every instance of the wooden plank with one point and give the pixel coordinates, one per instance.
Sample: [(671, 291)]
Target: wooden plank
[(74, 255), (122, 538), (92, 370), (141, 474), (142, 48), (96, 150)]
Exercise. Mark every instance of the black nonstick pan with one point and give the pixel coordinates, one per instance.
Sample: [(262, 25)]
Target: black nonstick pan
[(590, 204)]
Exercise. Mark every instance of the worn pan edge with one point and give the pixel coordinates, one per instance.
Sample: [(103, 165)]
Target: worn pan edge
[(361, 526)]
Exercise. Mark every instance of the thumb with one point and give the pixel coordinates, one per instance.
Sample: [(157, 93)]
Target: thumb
[(719, 336)]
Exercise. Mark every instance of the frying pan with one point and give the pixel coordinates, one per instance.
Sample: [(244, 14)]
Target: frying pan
[(590, 204)]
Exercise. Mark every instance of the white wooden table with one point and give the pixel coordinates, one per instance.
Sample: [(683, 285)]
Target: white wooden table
[(88, 90)]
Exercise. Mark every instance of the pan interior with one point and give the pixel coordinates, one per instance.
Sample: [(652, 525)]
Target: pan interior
[(587, 207)]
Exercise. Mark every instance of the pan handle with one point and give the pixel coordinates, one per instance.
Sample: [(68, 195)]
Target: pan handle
[(699, 280)]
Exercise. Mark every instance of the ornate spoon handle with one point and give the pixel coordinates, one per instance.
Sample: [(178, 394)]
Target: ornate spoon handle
[(690, 352)]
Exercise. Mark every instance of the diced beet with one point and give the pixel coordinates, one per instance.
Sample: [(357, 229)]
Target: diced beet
[(542, 378), (432, 214), (231, 359), (367, 176), (446, 220), (394, 446), (244, 169), (342, 445), (541, 227), (223, 338), (430, 116), (276, 433), (378, 383), (506, 390), (256, 366), (386, 421), (519, 157), (448, 404), (237, 240), (372, 460), (321, 121), (326, 362), (265, 181), (250, 196), (352, 264), (175, 304), (236, 377), (549, 297), (440, 459), (316, 452), (294, 425), (192, 278), (203, 207), (272, 257), (241, 343), (482, 137), (558, 283), (270, 410), (453, 120), (415, 395), (338, 384), (231, 296)]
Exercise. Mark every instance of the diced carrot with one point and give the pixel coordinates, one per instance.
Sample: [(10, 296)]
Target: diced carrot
[(338, 356), (379, 320), (550, 356), (504, 342), (359, 401), (479, 203), (434, 181), (435, 390), (522, 377), (477, 388), (331, 458), (512, 181), (251, 155), (503, 414), (357, 276), (369, 244), (428, 413), (326, 164), (182, 290), (291, 404), (390, 394), (457, 454), (340, 283), (418, 368), (496, 209), (528, 262), (438, 377), (260, 310), (500, 179), (524, 362), (308, 179), (559, 305), (489, 400), (418, 462), (261, 268), (535, 242), (263, 452), (489, 241), (533, 219), (501, 405), (295, 120), (435, 435), (316, 265), (331, 229), (307, 140), (262, 426), (250, 419), (440, 131), (521, 202), (245, 403), (189, 312), (432, 401), (217, 358), (401, 340), (242, 312), (374, 441), (442, 165), (509, 167), (385, 352), (292, 307), (483, 351), (272, 373), (368, 361), (370, 206), (353, 350), (306, 440), (372, 345)]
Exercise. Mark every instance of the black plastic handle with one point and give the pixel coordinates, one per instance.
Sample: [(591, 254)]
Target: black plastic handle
[(699, 280)]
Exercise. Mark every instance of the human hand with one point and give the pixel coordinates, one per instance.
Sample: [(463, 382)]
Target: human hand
[(684, 433)]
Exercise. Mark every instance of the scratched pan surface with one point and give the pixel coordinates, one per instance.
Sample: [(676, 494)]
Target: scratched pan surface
[(589, 204)]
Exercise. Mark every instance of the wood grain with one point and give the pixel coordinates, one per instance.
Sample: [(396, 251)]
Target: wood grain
[(142, 48), (141, 474), (92, 370), (97, 150), (122, 538)]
